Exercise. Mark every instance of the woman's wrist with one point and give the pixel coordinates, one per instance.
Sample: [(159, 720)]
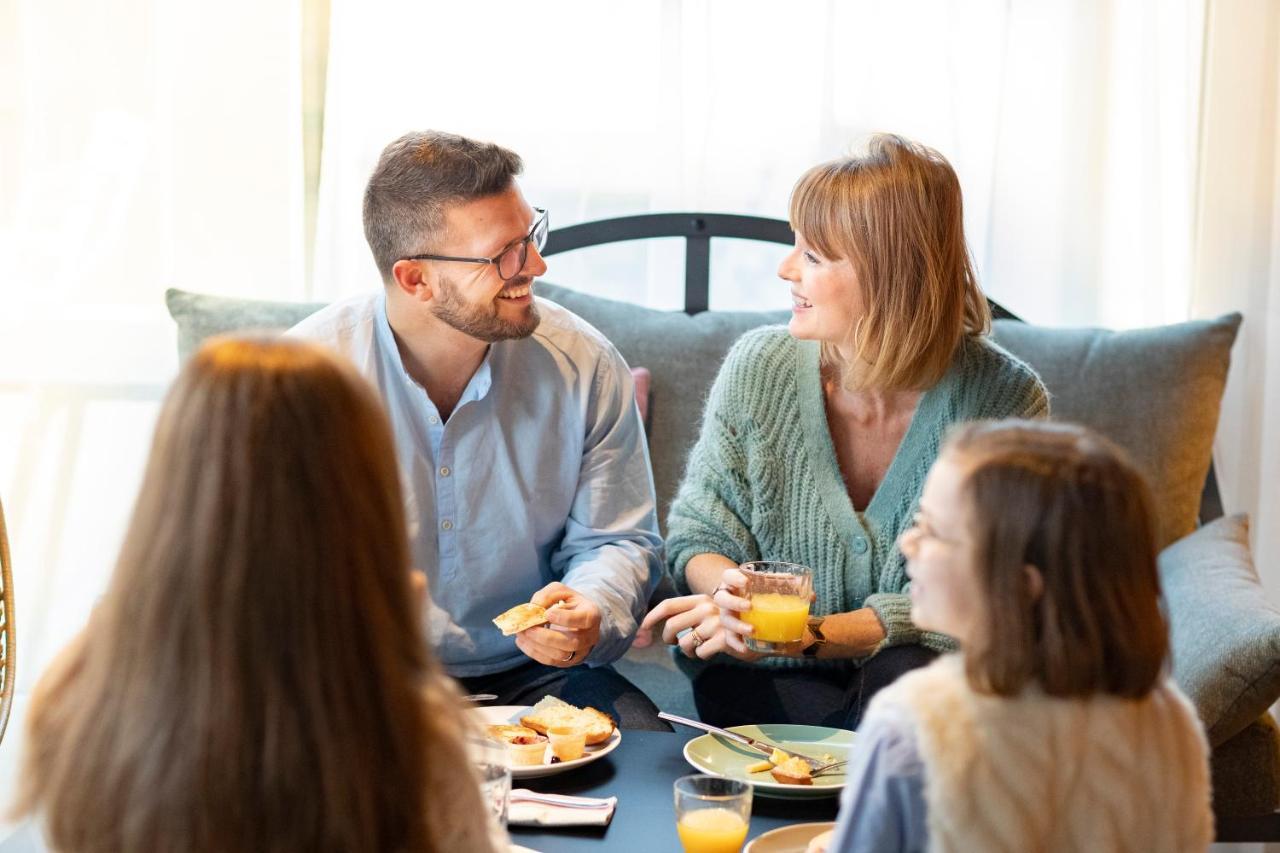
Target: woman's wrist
[(847, 635)]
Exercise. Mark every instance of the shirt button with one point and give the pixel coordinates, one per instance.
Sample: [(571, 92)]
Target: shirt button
[(433, 420), (860, 545), (444, 471), (446, 524)]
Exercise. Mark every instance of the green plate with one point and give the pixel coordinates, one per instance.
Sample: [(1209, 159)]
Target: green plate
[(721, 757)]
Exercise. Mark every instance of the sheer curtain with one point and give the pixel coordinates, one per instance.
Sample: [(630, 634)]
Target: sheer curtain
[(168, 153), (1072, 126), (142, 145), (1237, 264)]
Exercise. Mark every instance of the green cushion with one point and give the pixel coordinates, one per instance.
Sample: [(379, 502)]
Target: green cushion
[(1225, 635), (1155, 392)]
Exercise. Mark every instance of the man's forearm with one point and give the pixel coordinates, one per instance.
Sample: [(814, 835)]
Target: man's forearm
[(703, 572)]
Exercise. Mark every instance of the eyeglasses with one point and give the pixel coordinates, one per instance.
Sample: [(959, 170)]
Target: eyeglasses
[(510, 260)]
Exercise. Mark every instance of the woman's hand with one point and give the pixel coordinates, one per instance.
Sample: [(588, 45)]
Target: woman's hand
[(695, 624), (730, 598)]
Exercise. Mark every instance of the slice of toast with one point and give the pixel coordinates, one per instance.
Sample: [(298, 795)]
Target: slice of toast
[(520, 618), (793, 771), (551, 711), (513, 734)]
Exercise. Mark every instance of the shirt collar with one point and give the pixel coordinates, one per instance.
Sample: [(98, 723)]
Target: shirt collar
[(477, 388)]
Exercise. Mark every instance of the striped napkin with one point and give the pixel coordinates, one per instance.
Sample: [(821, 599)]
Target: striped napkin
[(529, 808)]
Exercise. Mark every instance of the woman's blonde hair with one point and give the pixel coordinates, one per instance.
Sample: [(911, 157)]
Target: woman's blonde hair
[(1068, 502), (896, 214), (255, 677)]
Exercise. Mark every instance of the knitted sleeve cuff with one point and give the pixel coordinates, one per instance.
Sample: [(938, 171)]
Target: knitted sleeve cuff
[(893, 609)]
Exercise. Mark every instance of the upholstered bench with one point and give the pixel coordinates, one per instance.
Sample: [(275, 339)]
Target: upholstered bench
[(1156, 392)]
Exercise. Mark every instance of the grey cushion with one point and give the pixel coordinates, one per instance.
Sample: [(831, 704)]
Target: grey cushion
[(683, 353), (200, 316), (1225, 635), (1155, 392)]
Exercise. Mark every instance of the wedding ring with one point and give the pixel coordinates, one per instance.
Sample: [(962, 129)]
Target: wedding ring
[(569, 657), (697, 638)]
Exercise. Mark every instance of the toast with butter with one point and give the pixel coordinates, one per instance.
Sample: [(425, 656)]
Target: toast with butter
[(551, 711)]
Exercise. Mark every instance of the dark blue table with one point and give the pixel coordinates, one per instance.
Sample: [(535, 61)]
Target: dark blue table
[(640, 773)]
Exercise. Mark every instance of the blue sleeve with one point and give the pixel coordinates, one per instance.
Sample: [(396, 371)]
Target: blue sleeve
[(882, 808), (611, 551)]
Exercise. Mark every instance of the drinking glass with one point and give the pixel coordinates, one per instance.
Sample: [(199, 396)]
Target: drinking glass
[(779, 594), (712, 813), (494, 769)]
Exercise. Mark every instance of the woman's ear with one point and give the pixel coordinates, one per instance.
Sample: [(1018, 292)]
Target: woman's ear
[(1035, 582)]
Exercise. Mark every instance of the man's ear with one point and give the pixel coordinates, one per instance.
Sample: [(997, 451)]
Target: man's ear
[(411, 280), (1035, 582)]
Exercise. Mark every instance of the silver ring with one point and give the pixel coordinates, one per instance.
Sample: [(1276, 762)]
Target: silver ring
[(569, 658)]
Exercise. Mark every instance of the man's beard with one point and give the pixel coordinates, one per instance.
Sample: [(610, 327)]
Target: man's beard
[(482, 321)]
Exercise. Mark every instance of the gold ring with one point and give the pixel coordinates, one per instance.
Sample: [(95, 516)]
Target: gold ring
[(697, 638), (569, 658)]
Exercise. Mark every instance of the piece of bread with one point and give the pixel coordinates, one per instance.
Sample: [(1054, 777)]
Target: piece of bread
[(551, 711), (520, 618), (513, 734), (793, 771)]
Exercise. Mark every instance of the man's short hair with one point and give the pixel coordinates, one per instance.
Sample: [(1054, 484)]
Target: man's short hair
[(417, 177)]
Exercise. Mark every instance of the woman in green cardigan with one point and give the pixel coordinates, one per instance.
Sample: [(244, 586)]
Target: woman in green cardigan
[(816, 440)]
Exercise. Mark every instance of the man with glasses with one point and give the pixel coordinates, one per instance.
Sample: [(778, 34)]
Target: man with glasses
[(521, 451)]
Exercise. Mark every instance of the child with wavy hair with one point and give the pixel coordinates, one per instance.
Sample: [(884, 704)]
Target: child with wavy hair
[(1056, 727)]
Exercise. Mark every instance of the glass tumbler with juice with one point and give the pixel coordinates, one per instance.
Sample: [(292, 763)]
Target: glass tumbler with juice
[(712, 813), (780, 594)]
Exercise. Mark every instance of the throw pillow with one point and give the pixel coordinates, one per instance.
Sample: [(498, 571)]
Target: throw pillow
[(1155, 392), (1225, 634)]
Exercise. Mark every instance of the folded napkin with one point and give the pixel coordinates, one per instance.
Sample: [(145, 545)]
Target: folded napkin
[(529, 808)]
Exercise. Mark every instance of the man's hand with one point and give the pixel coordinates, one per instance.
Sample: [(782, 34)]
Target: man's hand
[(573, 631)]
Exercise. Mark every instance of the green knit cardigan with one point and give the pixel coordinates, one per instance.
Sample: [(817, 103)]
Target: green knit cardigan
[(763, 482)]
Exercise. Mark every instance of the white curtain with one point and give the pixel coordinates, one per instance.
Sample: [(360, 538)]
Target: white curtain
[(1237, 264), (1072, 125), (142, 145), (168, 154)]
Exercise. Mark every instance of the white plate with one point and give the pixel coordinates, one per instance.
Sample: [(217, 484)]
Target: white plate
[(788, 839), (494, 715)]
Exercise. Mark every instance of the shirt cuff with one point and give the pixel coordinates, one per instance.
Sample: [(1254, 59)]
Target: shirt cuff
[(612, 644)]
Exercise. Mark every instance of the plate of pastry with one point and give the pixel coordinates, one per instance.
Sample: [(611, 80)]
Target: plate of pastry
[(549, 737)]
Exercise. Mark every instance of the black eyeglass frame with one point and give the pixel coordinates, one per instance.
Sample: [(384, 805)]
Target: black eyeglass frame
[(523, 245)]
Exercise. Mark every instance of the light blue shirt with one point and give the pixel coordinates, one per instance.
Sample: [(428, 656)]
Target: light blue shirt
[(882, 809), (540, 474)]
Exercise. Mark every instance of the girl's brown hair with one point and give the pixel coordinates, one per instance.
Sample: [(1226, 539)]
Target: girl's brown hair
[(1068, 502), (896, 214), (255, 677)]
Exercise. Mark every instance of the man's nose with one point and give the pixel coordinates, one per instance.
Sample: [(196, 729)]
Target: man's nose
[(534, 264)]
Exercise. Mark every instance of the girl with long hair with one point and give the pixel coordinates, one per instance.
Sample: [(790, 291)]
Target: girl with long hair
[(256, 677), (1056, 726)]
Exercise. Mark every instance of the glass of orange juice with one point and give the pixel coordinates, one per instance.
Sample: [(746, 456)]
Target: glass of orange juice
[(779, 594), (712, 814)]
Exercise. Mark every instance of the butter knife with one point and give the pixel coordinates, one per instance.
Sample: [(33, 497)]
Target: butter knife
[(762, 746)]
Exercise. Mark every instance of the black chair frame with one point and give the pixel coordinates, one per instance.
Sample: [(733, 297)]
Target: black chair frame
[(698, 229)]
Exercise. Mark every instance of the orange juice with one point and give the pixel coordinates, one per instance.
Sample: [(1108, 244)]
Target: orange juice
[(712, 830), (777, 618)]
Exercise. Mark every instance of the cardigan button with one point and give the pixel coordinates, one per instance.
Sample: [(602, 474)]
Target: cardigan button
[(860, 545)]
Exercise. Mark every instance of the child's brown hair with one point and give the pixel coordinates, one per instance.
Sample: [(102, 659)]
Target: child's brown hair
[(1069, 503)]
